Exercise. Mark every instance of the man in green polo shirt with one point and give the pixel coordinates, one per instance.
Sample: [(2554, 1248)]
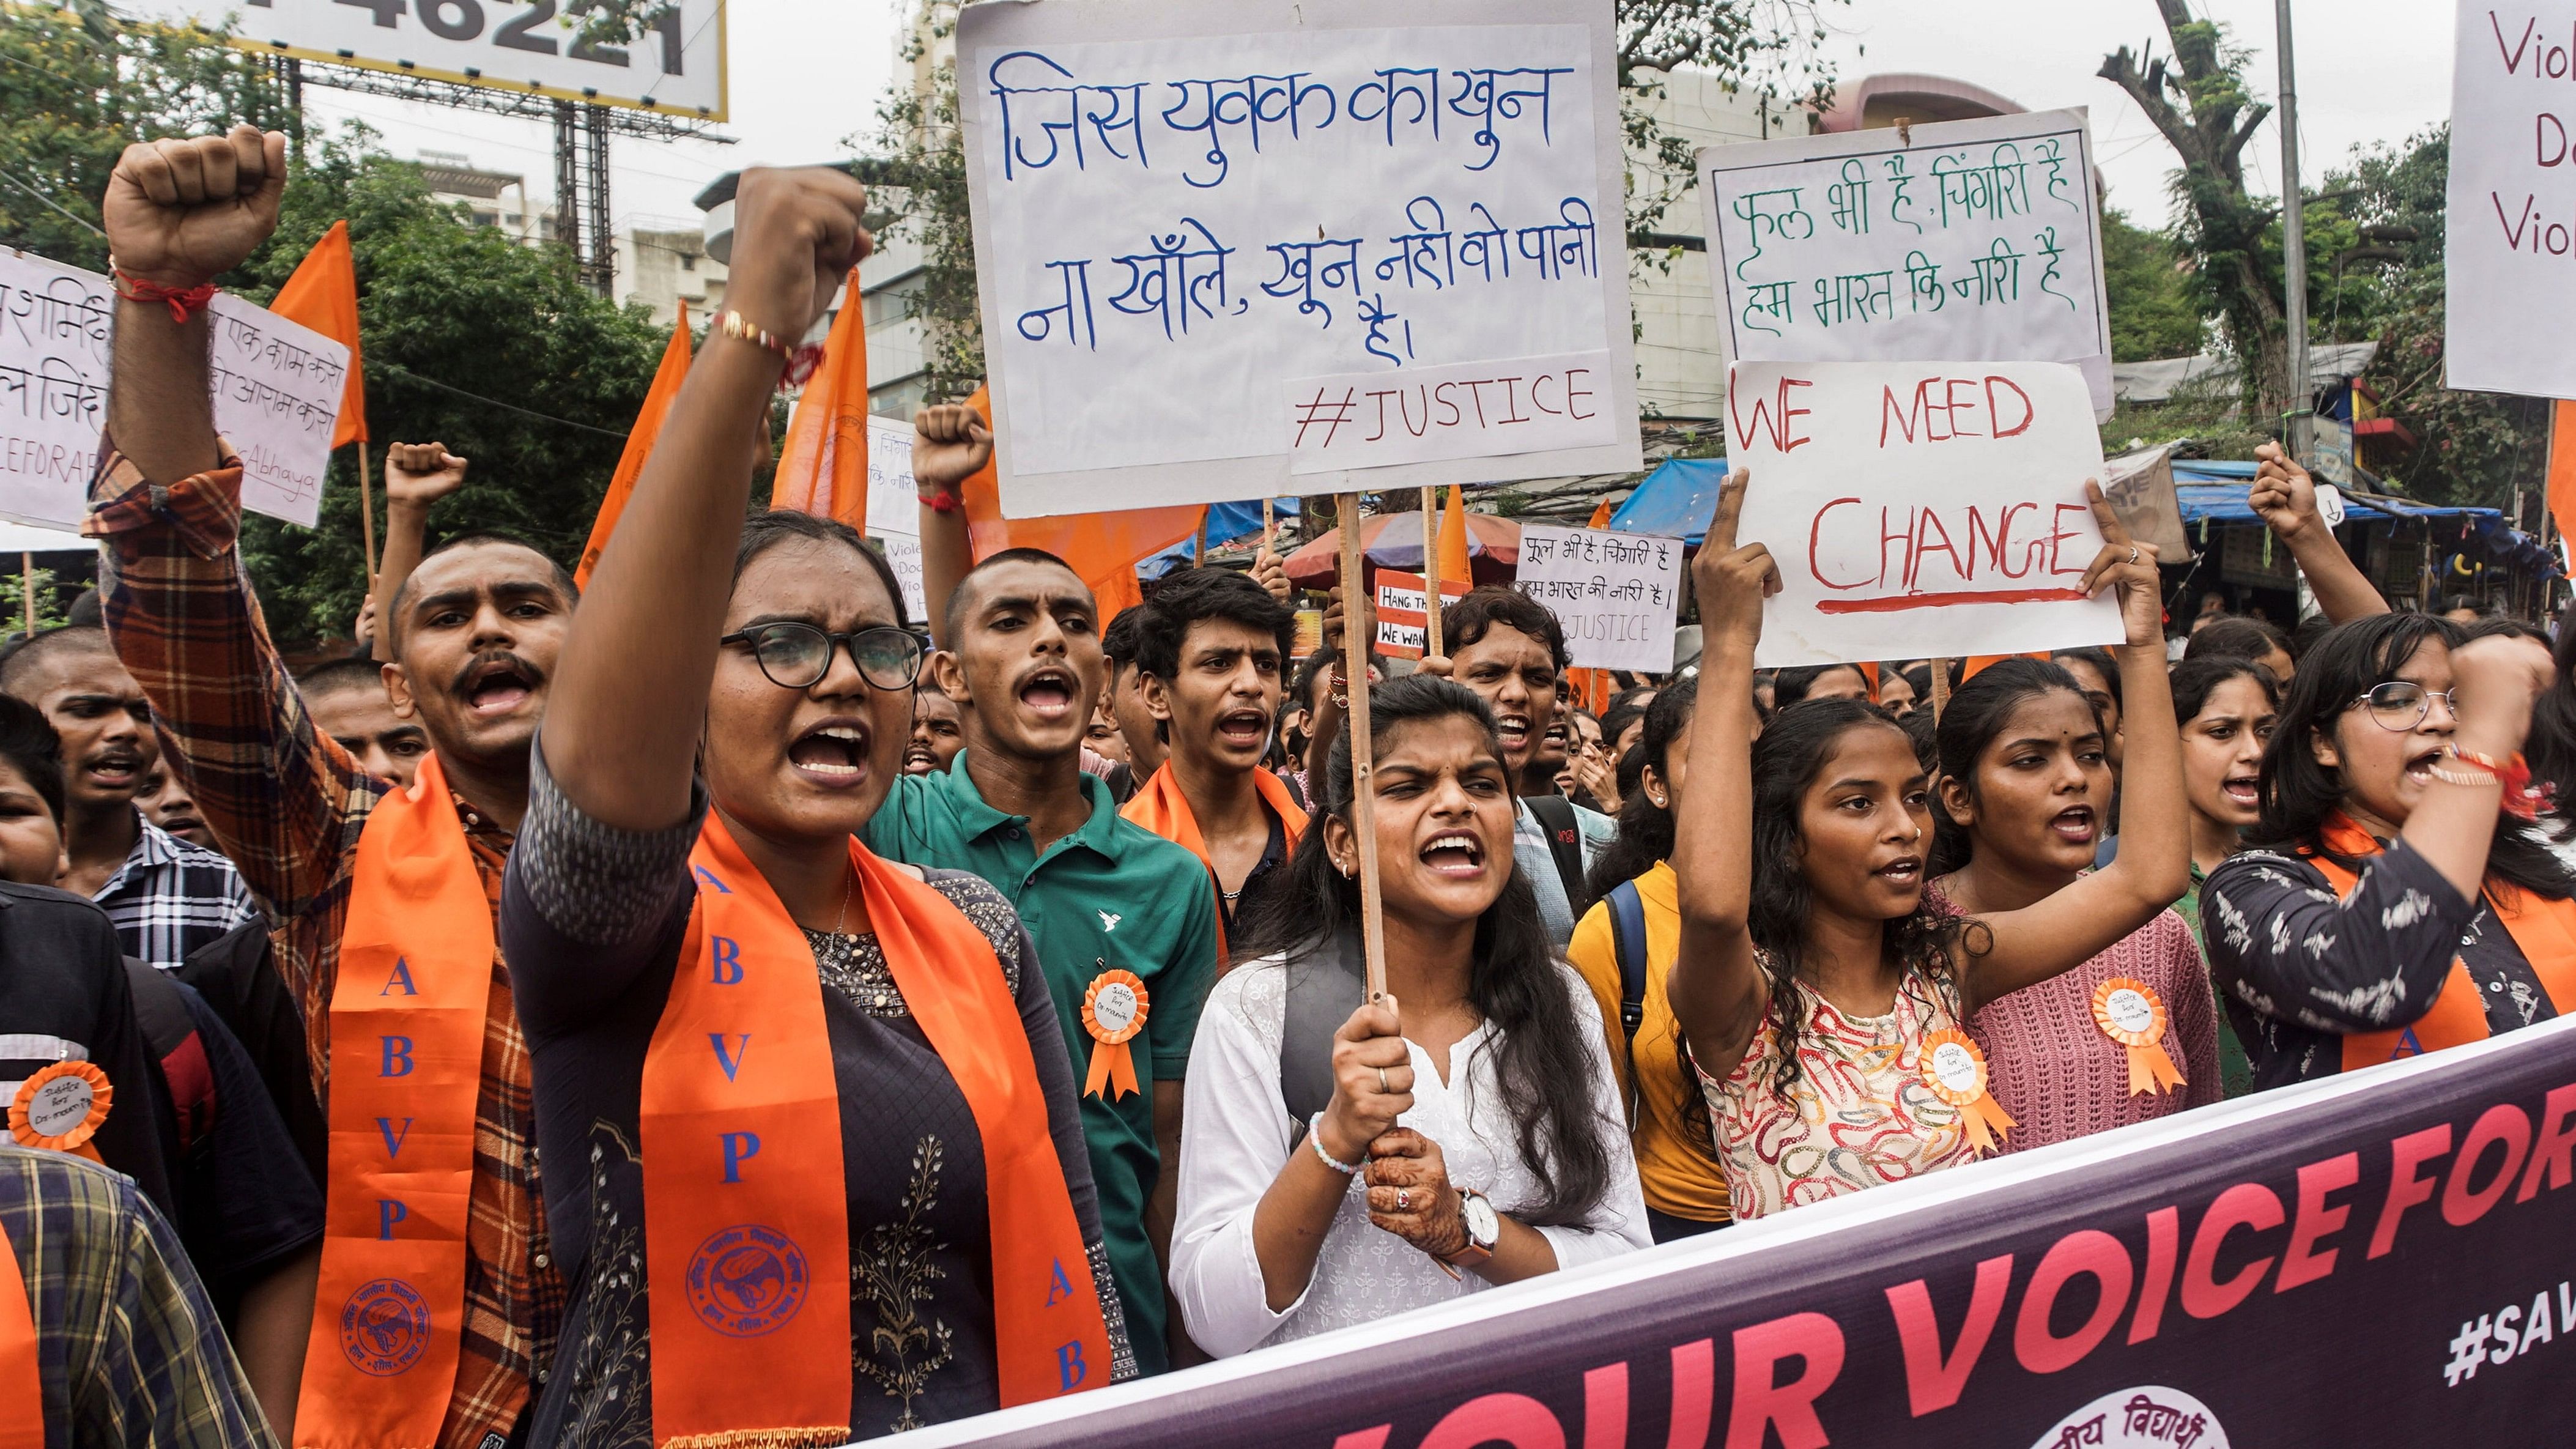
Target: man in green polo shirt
[(1021, 657)]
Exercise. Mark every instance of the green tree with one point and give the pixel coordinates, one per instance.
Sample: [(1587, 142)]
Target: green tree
[(2148, 289), (552, 374)]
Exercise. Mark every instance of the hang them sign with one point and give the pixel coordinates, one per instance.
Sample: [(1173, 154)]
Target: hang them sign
[(1282, 246), (1919, 509), (2509, 247), (2376, 1258), (276, 387), (1964, 239)]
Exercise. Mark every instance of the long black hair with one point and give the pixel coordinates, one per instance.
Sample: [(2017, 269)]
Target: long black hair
[(2551, 747), (1646, 828), (2300, 794), (2194, 680), (1787, 757), (764, 531), (1542, 1052), (1790, 686), (1978, 711)]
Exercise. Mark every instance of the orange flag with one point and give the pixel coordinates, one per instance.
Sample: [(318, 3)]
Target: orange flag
[(323, 295), (1103, 548), (639, 444), (823, 467), (1453, 538), (1600, 515), (2562, 465)]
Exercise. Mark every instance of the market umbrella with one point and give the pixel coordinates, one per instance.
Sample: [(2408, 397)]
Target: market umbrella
[(1394, 541)]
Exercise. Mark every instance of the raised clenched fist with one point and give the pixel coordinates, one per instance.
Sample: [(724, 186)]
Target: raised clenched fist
[(419, 474), (797, 233), (181, 212)]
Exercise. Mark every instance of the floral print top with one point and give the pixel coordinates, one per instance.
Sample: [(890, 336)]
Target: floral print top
[(1859, 1114)]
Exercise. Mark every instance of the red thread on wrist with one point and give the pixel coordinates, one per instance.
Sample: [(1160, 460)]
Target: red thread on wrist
[(942, 501), (184, 302)]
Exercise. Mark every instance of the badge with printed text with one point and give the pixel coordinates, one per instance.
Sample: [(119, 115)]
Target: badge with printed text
[(1955, 1068), (2130, 1013), (1113, 1011), (60, 1108)]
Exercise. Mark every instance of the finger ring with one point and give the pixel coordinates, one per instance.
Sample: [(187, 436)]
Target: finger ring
[(1404, 1200), (2133, 553), (1381, 1081)]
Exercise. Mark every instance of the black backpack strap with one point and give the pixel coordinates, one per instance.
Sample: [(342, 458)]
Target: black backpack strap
[(1555, 815), (171, 1033), (1628, 937), (1324, 987)]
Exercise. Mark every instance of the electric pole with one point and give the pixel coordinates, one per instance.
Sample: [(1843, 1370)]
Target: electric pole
[(2294, 249)]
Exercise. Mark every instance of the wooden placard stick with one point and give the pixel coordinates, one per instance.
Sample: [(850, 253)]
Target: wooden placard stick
[(1355, 728), (367, 518), (1940, 688), (1431, 571)]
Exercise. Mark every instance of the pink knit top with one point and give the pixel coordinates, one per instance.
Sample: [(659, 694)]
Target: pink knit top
[(2055, 1071)]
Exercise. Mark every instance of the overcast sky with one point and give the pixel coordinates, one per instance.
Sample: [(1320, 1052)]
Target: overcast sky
[(806, 73)]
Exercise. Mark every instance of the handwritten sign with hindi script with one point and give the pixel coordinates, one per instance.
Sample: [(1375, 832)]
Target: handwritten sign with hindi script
[(1918, 509), (894, 509), (55, 326), (275, 385), (277, 390), (2510, 246), (1615, 593), (1966, 239), (1267, 246)]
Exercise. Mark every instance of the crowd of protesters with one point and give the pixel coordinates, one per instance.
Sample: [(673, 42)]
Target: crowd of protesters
[(716, 1007)]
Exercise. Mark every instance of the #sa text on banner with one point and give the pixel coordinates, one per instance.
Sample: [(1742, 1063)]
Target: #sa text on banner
[(1919, 509), (1403, 625), (2509, 249), (1614, 593), (1278, 246), (1971, 239)]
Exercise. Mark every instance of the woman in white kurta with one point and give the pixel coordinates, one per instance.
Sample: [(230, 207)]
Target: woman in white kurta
[(1469, 1132)]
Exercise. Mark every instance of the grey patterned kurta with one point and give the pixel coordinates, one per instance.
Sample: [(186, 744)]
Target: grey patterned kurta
[(2300, 970)]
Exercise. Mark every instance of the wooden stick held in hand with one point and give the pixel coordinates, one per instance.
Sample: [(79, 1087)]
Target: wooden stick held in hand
[(1363, 766)]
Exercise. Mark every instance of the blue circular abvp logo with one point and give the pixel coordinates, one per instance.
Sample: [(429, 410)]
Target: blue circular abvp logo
[(384, 1329), (747, 1280)]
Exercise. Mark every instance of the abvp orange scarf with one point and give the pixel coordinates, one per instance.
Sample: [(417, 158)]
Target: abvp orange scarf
[(2544, 930), (407, 1018), (22, 1386), (746, 1216), (1161, 808)]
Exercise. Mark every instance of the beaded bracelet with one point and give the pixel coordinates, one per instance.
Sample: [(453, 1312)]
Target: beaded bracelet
[(798, 362), (1315, 1139)]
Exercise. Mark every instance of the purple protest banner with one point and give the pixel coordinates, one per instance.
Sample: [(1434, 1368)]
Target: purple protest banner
[(2379, 1258)]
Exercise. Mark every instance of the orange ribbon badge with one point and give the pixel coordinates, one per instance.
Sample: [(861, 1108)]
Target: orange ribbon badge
[(1955, 1068), (2130, 1013), (1113, 1011), (60, 1108)]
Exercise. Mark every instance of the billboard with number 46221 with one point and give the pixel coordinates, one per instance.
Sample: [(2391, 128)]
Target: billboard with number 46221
[(677, 65)]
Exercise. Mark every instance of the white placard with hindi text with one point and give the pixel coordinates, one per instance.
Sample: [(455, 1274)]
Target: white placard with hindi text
[(894, 508), (1179, 209), (55, 327), (2509, 248), (1962, 239), (1918, 509), (277, 389), (1615, 593)]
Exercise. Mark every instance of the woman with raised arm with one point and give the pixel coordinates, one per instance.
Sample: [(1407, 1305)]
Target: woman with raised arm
[(2397, 900), (808, 1128), (1341, 1162), (1819, 997), (2227, 709), (2025, 796)]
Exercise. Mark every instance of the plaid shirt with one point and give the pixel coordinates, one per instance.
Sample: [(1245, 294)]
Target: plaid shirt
[(171, 897), (288, 804), (128, 1349)]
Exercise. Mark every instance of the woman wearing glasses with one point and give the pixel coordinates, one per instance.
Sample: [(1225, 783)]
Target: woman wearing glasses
[(2395, 904), (810, 1145)]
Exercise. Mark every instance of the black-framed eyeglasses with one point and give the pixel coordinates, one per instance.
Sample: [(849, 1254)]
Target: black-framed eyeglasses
[(797, 655), (2401, 704)]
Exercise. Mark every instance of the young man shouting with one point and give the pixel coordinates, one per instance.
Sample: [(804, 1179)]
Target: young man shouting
[(1118, 914), (425, 1037)]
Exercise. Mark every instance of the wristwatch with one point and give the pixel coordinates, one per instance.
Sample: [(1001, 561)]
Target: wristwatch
[(1484, 1230)]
